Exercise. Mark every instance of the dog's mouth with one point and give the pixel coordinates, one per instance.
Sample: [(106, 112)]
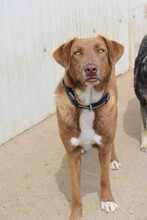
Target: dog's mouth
[(92, 80)]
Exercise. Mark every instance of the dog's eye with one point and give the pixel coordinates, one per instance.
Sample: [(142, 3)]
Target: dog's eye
[(77, 52), (100, 50)]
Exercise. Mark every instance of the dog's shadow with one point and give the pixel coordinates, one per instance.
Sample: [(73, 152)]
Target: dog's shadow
[(132, 119), (89, 175)]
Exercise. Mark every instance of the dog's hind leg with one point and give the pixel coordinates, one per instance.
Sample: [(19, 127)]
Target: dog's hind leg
[(143, 146)]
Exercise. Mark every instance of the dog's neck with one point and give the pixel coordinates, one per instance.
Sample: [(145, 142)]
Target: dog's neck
[(89, 95)]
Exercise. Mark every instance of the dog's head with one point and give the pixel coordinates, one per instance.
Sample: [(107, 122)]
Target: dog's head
[(89, 61)]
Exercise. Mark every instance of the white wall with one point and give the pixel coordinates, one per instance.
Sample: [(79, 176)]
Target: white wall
[(137, 26), (26, 72), (29, 31)]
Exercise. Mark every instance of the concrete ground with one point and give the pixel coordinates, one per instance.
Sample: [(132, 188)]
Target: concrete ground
[(34, 173)]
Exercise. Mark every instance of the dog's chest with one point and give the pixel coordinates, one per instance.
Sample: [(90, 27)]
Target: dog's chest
[(88, 135)]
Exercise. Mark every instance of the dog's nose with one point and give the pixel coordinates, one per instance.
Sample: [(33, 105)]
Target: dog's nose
[(90, 69)]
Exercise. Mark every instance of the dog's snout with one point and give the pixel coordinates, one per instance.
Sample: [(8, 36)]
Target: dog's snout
[(90, 69)]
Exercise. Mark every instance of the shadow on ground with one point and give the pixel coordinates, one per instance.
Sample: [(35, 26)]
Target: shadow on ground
[(90, 175), (131, 122)]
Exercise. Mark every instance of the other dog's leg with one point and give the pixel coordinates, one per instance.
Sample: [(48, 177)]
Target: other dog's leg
[(107, 202), (143, 146), (115, 164), (75, 166)]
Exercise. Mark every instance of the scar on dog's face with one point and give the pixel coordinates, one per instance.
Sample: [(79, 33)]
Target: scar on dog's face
[(89, 61)]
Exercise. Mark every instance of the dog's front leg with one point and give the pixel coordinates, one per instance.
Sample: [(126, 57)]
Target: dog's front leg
[(115, 164), (144, 128), (75, 167), (107, 202)]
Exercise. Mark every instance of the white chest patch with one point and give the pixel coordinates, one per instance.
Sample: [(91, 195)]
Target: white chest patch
[(87, 136)]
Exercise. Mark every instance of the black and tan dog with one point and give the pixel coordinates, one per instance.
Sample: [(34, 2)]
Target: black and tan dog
[(86, 100), (140, 85)]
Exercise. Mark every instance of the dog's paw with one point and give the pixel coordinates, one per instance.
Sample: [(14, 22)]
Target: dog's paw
[(115, 165), (109, 206), (143, 146)]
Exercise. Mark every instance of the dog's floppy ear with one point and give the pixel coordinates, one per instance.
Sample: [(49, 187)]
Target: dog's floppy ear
[(62, 54), (115, 49)]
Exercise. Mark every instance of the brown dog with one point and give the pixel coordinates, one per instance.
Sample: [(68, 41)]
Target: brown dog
[(87, 110)]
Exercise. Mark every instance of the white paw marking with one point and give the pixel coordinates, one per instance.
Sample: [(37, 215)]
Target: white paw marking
[(74, 141), (115, 165), (143, 146), (109, 206)]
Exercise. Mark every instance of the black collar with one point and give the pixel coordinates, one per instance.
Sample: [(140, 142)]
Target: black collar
[(73, 98)]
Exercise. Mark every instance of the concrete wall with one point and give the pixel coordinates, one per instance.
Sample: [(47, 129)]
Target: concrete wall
[(30, 30)]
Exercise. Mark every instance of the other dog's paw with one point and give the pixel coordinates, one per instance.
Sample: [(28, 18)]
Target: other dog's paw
[(143, 146), (109, 206), (115, 165)]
